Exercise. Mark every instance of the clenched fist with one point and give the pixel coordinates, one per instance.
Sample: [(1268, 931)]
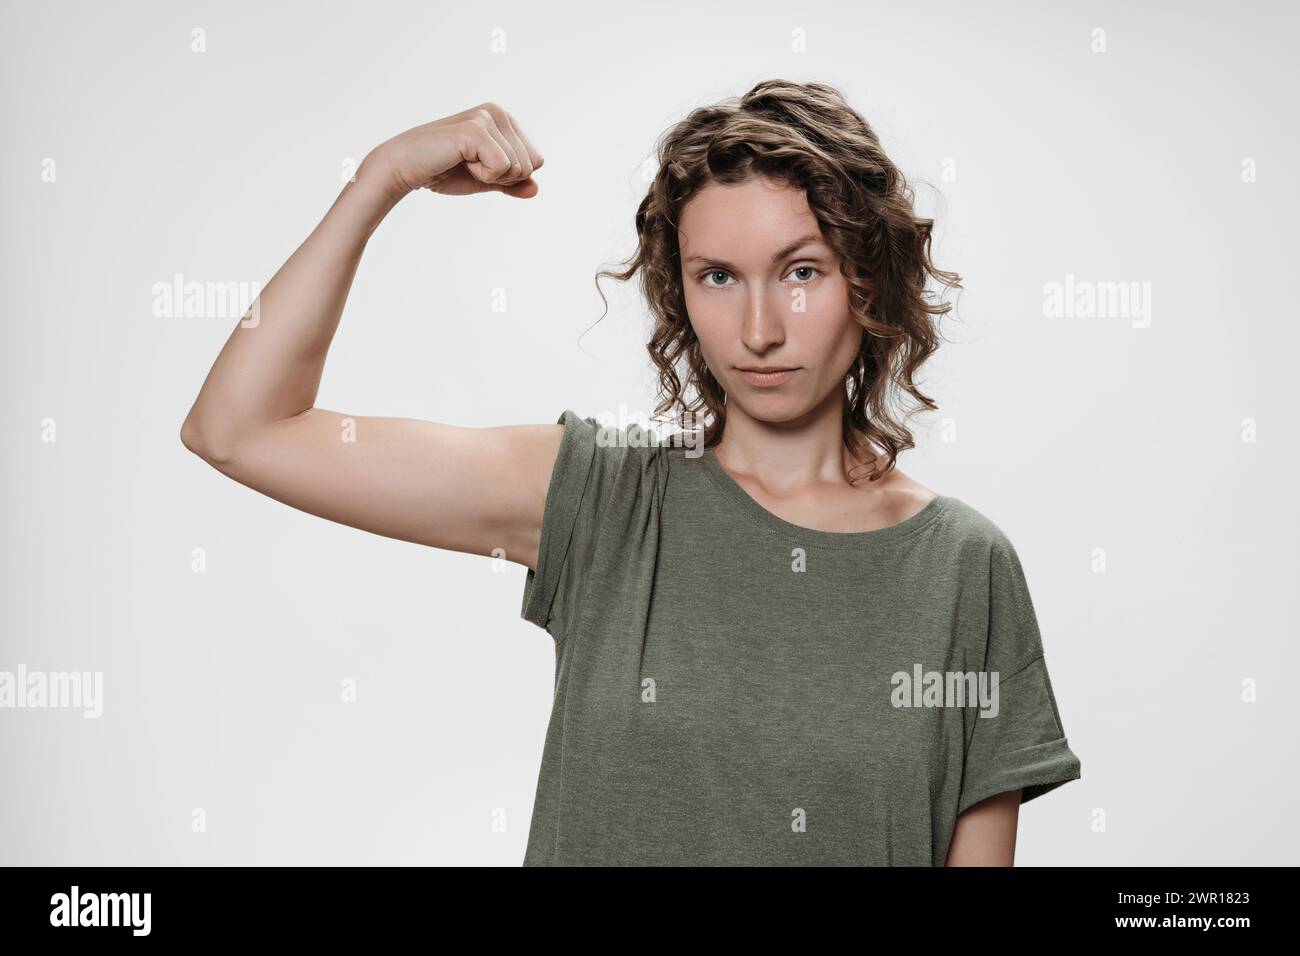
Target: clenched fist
[(479, 150)]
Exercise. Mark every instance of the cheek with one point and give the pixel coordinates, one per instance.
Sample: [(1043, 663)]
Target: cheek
[(830, 329), (709, 324)]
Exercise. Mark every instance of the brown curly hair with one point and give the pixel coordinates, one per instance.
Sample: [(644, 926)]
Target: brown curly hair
[(806, 136)]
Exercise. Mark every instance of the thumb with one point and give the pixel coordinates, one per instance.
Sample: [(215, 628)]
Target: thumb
[(524, 189)]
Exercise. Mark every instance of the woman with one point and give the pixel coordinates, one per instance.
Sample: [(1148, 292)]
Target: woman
[(772, 646)]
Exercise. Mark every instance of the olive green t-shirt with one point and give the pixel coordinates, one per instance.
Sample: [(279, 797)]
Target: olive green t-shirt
[(733, 689)]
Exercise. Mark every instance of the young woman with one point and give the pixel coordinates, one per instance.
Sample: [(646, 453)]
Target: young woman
[(772, 646)]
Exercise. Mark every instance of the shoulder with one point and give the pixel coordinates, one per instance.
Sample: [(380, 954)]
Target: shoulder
[(609, 457), (975, 530), (613, 440), (607, 430)]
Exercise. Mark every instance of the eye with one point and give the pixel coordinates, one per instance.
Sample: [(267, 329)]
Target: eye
[(810, 271)]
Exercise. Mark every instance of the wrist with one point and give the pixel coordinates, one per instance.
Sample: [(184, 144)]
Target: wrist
[(376, 178)]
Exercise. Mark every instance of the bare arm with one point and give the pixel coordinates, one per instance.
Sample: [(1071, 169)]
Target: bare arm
[(985, 835), (255, 418)]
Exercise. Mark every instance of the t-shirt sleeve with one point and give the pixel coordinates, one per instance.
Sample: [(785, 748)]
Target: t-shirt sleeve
[(580, 483), (1022, 744)]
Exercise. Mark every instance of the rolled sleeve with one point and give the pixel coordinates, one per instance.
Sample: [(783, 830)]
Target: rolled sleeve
[(564, 503), (1023, 747)]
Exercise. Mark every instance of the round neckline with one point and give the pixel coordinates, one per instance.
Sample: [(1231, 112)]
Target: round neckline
[(839, 539)]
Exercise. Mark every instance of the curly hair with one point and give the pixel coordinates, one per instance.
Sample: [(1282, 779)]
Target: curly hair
[(805, 136)]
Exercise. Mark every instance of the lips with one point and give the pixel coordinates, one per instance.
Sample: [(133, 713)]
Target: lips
[(767, 376)]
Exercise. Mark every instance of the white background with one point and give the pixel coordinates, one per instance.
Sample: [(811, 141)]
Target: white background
[(221, 689)]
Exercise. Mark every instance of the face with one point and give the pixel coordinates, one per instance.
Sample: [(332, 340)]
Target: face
[(764, 291)]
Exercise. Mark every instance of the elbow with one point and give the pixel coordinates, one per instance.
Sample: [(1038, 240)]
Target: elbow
[(190, 435), (196, 440)]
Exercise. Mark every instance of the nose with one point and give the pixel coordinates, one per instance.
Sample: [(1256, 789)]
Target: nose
[(764, 323)]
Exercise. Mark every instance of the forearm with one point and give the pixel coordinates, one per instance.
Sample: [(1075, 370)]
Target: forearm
[(270, 368)]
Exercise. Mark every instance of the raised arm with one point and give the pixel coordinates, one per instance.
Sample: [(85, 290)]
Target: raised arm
[(255, 419)]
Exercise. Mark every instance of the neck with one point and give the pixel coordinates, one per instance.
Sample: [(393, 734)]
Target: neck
[(791, 454)]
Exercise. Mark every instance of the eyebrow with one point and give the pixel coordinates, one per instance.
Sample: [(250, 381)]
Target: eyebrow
[(781, 254)]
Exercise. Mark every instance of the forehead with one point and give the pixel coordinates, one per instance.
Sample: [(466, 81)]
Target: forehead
[(752, 218)]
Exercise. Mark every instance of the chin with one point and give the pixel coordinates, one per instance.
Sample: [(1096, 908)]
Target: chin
[(773, 408)]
